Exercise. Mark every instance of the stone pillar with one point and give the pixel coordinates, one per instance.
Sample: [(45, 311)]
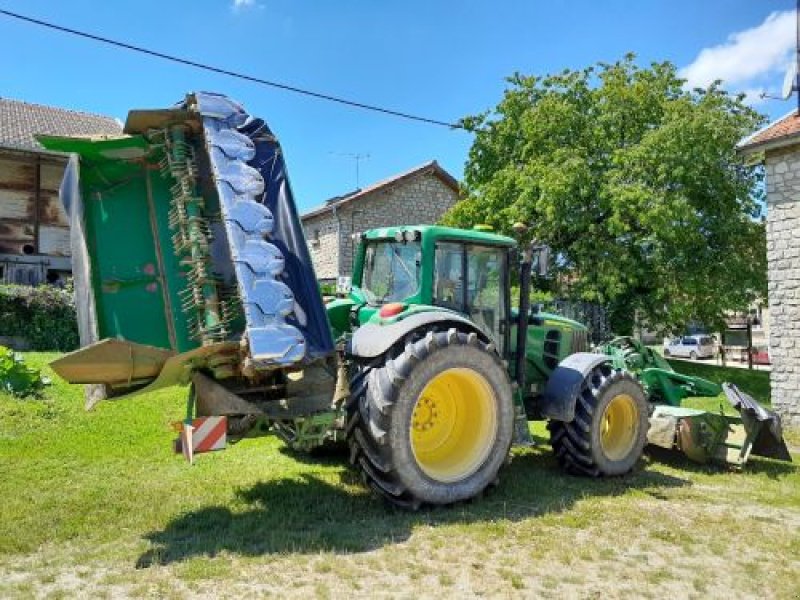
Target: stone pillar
[(783, 259)]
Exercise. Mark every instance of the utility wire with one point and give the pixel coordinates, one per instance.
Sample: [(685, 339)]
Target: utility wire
[(213, 69)]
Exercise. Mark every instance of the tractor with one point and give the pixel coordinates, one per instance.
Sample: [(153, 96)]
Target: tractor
[(191, 268)]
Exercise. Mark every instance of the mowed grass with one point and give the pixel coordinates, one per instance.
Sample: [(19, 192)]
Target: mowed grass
[(95, 504)]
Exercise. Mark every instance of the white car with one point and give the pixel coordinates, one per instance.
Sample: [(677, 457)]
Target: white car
[(690, 346)]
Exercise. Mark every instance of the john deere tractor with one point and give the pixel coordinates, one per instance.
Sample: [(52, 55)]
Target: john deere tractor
[(191, 268)]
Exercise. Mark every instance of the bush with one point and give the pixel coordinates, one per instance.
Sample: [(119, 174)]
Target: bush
[(327, 289), (17, 378), (45, 316)]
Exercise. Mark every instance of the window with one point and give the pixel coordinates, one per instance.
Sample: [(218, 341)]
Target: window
[(485, 290), (448, 286), (391, 271), (483, 297)]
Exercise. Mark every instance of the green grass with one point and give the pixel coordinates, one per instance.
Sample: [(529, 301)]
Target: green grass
[(96, 504), (755, 383), (752, 382)]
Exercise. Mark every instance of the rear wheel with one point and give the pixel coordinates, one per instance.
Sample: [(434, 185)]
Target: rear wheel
[(609, 431), (432, 425)]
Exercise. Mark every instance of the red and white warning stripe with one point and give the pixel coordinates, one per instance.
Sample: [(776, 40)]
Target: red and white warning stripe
[(203, 435)]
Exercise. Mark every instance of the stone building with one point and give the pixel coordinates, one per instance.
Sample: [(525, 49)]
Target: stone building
[(34, 231), (416, 197), (778, 147)]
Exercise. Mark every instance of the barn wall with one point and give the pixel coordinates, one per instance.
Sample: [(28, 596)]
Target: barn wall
[(19, 217)]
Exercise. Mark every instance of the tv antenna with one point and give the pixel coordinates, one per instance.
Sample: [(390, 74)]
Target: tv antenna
[(357, 157)]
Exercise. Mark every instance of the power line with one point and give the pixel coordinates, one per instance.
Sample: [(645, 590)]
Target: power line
[(213, 69)]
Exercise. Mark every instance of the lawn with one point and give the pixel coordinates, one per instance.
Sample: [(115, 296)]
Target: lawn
[(95, 504)]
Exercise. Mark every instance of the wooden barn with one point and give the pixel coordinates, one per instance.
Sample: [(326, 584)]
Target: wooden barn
[(34, 231)]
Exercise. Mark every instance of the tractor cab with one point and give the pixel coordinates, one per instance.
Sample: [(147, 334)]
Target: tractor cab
[(403, 270)]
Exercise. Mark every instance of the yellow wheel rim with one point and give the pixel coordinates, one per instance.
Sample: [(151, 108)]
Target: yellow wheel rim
[(454, 425), (619, 427)]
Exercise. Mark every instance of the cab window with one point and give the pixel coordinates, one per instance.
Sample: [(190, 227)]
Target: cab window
[(485, 290), (448, 280), (469, 279)]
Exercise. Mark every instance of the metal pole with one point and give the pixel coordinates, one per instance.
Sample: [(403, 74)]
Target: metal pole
[(524, 312), (749, 343)]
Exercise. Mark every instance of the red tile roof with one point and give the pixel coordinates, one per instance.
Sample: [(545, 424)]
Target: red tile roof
[(780, 133)]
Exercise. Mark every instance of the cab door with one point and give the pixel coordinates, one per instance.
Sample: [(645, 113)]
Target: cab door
[(472, 279)]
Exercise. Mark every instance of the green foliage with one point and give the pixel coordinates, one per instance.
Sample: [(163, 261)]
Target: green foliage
[(44, 315), (327, 289), (635, 184), (16, 377)]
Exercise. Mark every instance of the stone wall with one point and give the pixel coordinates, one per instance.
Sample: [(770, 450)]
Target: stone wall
[(418, 200), (783, 258), (322, 237)]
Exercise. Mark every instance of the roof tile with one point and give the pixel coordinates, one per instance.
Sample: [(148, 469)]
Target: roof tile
[(432, 167), (786, 126), (21, 121)]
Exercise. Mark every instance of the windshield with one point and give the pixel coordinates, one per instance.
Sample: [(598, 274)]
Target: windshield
[(391, 271)]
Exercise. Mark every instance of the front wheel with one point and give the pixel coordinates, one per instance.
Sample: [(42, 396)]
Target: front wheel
[(609, 431), (434, 424)]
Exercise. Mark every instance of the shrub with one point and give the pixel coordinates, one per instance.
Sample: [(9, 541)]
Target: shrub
[(16, 377), (327, 289), (45, 316)]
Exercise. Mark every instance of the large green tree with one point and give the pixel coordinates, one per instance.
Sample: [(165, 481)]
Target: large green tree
[(633, 181)]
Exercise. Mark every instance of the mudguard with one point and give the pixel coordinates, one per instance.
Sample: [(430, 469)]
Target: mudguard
[(558, 400), (372, 340)]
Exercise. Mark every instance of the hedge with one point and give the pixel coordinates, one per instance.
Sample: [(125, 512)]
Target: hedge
[(44, 316)]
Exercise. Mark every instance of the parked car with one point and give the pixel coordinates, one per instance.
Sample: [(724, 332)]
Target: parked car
[(760, 355), (691, 346)]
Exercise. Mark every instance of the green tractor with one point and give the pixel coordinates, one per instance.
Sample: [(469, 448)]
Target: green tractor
[(447, 374), (191, 268)]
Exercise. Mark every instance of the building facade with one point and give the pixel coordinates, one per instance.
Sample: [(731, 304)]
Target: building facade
[(419, 196), (34, 231), (778, 148)]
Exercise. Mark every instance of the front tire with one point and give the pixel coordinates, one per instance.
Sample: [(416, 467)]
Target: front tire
[(434, 424), (609, 431)]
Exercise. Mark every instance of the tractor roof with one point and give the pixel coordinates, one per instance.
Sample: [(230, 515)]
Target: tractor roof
[(444, 233)]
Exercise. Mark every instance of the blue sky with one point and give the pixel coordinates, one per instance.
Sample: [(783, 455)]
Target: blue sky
[(438, 59)]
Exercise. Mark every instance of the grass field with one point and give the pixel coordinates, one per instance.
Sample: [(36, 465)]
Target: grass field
[(96, 505)]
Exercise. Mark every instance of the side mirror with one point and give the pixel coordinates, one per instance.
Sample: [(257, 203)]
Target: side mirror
[(541, 260)]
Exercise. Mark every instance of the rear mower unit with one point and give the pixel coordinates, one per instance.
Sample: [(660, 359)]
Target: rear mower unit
[(191, 268)]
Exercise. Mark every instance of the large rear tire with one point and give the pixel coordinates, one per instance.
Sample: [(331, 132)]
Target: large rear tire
[(433, 424), (609, 432)]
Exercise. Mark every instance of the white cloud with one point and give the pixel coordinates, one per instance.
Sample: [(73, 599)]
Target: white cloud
[(244, 4), (749, 58)]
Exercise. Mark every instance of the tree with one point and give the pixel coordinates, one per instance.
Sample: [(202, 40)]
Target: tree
[(635, 184)]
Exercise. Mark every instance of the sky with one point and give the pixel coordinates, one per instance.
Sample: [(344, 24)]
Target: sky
[(439, 59)]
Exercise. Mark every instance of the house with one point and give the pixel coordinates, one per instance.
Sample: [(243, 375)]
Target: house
[(34, 232), (777, 146), (419, 196)]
